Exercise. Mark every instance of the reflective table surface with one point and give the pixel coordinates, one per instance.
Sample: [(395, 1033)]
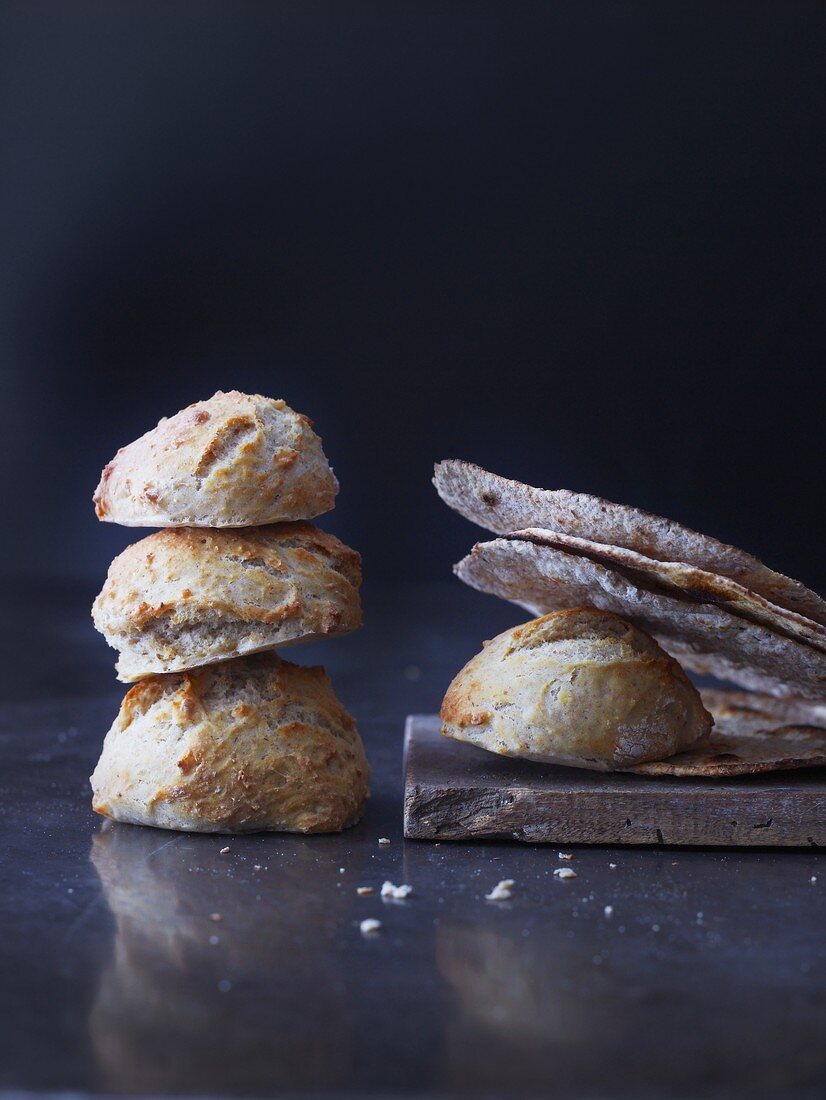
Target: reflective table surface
[(140, 961)]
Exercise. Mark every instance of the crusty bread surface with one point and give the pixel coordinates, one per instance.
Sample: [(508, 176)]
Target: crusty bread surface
[(251, 744), (580, 687), (235, 460), (185, 597), (504, 506)]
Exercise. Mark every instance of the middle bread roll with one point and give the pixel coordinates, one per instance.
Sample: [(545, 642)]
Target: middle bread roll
[(186, 597)]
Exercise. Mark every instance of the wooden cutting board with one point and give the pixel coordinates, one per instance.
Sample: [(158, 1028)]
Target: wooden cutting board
[(458, 792)]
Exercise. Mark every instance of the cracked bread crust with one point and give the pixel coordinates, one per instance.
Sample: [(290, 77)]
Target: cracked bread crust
[(580, 687), (248, 745), (183, 598), (235, 460)]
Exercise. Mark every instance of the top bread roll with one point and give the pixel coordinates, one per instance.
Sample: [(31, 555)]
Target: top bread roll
[(236, 460)]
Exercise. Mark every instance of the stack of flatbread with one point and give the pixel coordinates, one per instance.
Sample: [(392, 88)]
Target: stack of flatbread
[(717, 610)]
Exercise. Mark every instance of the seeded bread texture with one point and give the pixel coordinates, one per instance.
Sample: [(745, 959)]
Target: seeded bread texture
[(503, 506), (578, 687), (235, 460), (687, 581), (185, 597), (252, 744)]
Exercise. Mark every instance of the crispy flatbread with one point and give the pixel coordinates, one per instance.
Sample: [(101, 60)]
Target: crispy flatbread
[(751, 734), (690, 581), (544, 578), (504, 506)]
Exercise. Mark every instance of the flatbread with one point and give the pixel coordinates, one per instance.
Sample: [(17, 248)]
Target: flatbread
[(749, 736), (503, 506), (691, 581), (543, 578)]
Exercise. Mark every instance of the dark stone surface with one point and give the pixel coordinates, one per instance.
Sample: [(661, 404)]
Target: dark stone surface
[(111, 981)]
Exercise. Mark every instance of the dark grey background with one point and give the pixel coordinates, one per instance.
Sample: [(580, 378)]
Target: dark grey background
[(581, 243)]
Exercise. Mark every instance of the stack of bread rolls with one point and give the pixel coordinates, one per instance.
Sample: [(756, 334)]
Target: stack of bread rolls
[(219, 733)]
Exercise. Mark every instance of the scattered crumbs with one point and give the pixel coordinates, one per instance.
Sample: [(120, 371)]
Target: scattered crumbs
[(812, 879), (501, 891), (215, 916), (608, 910), (413, 672), (341, 870), (384, 840), (655, 928), (224, 851), (565, 872), (370, 926), (612, 866), (388, 890), (565, 855), (224, 986), (362, 890), (256, 866), (214, 939)]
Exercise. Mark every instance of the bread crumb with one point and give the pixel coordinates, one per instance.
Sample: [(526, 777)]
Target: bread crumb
[(813, 878), (501, 891), (341, 870), (612, 866), (362, 890), (608, 910), (256, 866), (388, 890), (384, 840), (565, 872), (224, 851), (369, 926), (215, 916), (565, 855)]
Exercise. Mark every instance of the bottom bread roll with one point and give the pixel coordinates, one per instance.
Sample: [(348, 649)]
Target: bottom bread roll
[(250, 744)]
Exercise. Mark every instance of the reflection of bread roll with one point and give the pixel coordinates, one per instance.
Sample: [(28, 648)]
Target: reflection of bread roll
[(236, 460), (241, 746), (579, 687), (184, 598), (160, 990)]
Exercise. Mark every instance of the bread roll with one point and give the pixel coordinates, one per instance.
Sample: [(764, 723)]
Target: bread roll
[(186, 597), (236, 460), (580, 687), (251, 744)]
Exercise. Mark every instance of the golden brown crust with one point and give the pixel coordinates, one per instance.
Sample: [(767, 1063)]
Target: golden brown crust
[(183, 597), (236, 460), (247, 745), (579, 687)]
